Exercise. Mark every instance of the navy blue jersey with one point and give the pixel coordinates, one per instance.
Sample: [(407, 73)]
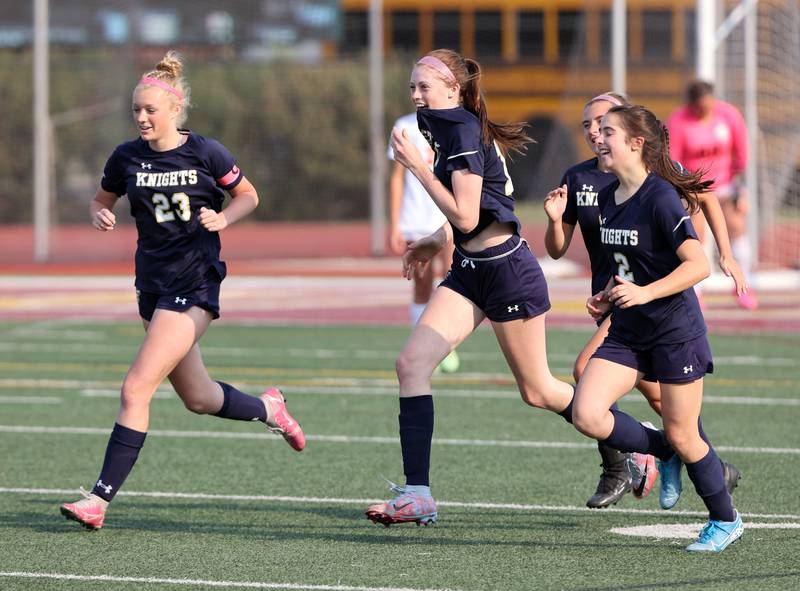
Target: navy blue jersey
[(640, 238), (584, 181), (166, 191), (457, 141)]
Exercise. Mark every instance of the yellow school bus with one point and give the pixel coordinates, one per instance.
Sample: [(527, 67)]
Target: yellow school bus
[(542, 59)]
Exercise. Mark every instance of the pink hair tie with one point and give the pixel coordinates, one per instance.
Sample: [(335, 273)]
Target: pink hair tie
[(438, 65), (149, 80), (608, 98)]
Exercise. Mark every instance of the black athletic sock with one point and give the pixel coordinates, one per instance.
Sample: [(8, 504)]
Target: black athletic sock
[(121, 453), (567, 412), (629, 435), (416, 432), (709, 482), (240, 406)]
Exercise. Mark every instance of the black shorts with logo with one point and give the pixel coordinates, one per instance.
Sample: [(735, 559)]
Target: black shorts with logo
[(673, 363), (504, 281), (204, 296)]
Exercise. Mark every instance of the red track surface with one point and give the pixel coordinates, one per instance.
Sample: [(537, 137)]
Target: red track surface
[(309, 273)]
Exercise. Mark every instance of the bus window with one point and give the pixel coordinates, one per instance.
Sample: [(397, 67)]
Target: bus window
[(354, 38), (488, 34), (405, 31), (657, 35), (530, 34), (447, 30), (570, 33)]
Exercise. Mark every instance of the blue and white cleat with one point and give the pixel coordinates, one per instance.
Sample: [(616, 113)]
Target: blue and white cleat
[(671, 485), (718, 535)]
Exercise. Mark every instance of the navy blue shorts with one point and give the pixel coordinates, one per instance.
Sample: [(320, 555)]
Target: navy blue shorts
[(504, 281), (205, 296), (675, 363)]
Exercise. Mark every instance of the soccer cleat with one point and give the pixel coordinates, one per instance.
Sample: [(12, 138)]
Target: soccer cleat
[(615, 480), (747, 300), (671, 485), (643, 474), (451, 363), (732, 476), (90, 511), (718, 535), (280, 421), (407, 507)]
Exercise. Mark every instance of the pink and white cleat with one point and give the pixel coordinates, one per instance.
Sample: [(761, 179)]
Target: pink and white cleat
[(280, 421), (407, 507), (644, 473), (90, 511)]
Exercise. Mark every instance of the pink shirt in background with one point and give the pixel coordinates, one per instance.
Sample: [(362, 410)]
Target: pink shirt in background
[(718, 143)]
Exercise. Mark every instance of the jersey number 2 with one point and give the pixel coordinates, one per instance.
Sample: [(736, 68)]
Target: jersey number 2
[(624, 269), (165, 212)]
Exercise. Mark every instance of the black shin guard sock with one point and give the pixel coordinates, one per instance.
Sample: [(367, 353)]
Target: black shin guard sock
[(630, 435), (240, 406), (709, 482), (416, 432), (567, 412), (121, 453)]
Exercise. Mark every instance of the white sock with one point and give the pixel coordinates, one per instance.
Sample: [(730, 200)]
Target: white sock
[(415, 311), (742, 253), (420, 489)]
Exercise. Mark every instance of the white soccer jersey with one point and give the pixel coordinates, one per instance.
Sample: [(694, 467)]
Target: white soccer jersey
[(419, 215)]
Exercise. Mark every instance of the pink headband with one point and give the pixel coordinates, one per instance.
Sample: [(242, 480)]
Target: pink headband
[(607, 97), (438, 65), (161, 84)]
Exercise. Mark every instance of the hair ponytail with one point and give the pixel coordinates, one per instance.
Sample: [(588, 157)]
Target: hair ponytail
[(510, 137), (637, 121)]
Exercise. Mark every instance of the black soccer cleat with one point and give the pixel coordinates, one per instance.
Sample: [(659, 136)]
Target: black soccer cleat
[(615, 480), (732, 476)]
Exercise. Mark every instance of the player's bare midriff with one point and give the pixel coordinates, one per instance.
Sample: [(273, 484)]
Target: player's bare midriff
[(494, 234)]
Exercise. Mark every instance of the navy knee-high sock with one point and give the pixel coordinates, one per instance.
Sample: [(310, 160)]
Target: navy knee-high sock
[(567, 412), (709, 482), (121, 453), (629, 435), (416, 432), (240, 406)]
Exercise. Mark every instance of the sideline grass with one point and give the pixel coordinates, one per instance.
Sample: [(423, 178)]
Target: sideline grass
[(280, 541)]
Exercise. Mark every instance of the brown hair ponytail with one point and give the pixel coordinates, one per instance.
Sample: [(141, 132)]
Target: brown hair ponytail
[(637, 121)]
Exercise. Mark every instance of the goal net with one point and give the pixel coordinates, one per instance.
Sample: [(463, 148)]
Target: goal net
[(778, 142)]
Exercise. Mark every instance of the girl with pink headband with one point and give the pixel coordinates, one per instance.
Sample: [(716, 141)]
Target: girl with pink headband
[(575, 203), (176, 182), (494, 274)]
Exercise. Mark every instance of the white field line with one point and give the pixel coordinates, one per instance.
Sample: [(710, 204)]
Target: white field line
[(362, 502), (518, 444), (60, 346), (687, 531), (30, 400), (359, 387), (202, 582), (477, 394)]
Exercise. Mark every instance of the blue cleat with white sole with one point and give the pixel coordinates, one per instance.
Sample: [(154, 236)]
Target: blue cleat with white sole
[(671, 485), (718, 535)]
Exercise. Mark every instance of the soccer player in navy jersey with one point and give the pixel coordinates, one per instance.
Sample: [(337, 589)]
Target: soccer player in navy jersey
[(494, 274), (575, 203), (176, 182), (657, 328)]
